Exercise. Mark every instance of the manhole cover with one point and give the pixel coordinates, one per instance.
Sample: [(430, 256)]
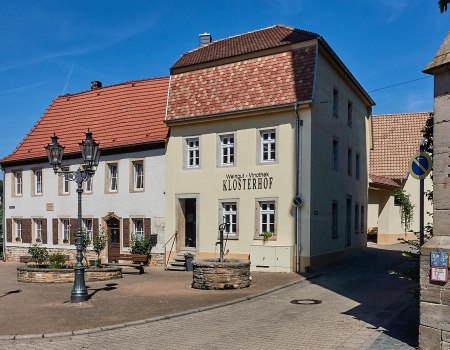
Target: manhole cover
[(306, 301)]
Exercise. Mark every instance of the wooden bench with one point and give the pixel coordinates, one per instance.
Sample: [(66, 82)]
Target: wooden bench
[(138, 261), (27, 258)]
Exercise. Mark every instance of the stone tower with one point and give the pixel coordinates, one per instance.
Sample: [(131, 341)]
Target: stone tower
[(435, 296)]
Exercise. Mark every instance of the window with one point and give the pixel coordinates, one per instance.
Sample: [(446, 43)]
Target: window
[(112, 177), (362, 219), (356, 218), (349, 162), (37, 182), (65, 229), (87, 227), (88, 185), (229, 214), (138, 175), (18, 183), (65, 184), (335, 155), (227, 150), (268, 146), (138, 228), (267, 217), (38, 230), (193, 153), (349, 113), (334, 219), (357, 165), (335, 103), (18, 230)]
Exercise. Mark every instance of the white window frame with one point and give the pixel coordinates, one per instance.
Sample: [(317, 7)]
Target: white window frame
[(193, 152), (138, 175), (18, 183), (138, 228), (18, 229), (88, 227), (65, 230), (267, 210), (65, 183), (38, 182), (88, 185), (38, 230), (113, 177), (271, 143), (227, 150), (230, 215)]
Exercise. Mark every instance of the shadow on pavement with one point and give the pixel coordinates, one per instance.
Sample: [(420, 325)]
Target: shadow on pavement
[(107, 288), (373, 278), (10, 292)]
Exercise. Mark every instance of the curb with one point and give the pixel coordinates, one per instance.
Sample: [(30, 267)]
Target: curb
[(70, 334)]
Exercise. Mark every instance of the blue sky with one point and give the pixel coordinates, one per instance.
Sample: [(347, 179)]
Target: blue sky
[(50, 48)]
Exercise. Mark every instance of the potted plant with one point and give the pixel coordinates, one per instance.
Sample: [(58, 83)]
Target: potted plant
[(266, 235)]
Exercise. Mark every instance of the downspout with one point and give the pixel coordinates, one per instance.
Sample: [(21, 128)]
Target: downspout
[(4, 216), (298, 162)]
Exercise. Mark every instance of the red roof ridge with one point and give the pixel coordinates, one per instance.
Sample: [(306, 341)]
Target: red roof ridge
[(401, 114), (112, 85)]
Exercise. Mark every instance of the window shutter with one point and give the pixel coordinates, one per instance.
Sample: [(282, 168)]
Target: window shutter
[(126, 232), (26, 230), (55, 231), (95, 228), (73, 231), (147, 228), (44, 231), (9, 230)]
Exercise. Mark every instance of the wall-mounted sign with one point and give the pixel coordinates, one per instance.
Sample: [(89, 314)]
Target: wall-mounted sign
[(12, 207), (439, 259), (297, 202), (439, 274), (247, 181), (420, 165)]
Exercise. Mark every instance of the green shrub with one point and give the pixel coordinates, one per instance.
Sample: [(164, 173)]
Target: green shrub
[(141, 245), (56, 260), (38, 254)]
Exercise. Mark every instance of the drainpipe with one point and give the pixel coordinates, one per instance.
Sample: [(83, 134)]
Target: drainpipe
[(298, 162), (4, 216)]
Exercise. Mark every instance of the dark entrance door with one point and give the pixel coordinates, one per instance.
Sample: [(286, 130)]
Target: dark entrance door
[(190, 223), (113, 239)]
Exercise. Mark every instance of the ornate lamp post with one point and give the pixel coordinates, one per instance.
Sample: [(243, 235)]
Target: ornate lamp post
[(91, 154)]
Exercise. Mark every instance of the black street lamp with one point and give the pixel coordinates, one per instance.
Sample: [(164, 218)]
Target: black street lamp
[(91, 154)]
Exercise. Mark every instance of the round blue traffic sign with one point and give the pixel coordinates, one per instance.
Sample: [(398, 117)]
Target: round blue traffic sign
[(420, 165), (297, 201)]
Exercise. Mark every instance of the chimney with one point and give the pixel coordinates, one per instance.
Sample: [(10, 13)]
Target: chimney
[(205, 39), (96, 84)]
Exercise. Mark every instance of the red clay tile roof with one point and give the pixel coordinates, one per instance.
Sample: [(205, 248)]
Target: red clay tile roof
[(271, 37), (381, 180), (118, 115), (254, 83), (396, 138)]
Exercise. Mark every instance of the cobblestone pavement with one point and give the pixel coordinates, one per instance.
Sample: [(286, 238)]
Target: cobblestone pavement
[(347, 306)]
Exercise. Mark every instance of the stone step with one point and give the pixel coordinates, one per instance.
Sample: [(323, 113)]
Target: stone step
[(178, 263), (176, 268)]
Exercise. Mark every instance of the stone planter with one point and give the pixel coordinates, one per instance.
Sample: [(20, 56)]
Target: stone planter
[(212, 274), (43, 275)]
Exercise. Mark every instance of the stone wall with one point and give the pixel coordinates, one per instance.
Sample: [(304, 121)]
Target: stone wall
[(37, 275)]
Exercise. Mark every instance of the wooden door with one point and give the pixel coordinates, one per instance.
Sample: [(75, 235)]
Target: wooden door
[(113, 239)]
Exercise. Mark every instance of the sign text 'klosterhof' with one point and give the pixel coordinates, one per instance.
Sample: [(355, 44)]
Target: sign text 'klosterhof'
[(247, 181)]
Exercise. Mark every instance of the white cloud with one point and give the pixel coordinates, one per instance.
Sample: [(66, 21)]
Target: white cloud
[(393, 8)]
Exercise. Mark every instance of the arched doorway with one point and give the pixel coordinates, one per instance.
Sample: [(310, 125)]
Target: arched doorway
[(113, 225)]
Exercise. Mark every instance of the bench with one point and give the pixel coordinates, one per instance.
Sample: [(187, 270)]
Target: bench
[(27, 258), (137, 261)]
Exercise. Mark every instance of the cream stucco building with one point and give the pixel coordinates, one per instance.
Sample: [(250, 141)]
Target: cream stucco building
[(257, 120), (396, 138)]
